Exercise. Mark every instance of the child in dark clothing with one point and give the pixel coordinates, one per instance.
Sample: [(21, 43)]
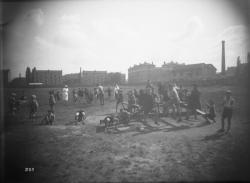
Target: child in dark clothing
[(124, 116), (58, 97), (131, 101), (49, 118), (119, 99), (74, 95), (52, 101), (109, 92), (12, 104)]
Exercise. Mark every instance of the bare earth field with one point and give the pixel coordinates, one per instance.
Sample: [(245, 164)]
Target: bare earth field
[(70, 152)]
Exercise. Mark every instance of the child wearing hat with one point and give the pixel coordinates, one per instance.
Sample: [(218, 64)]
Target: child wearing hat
[(227, 113)]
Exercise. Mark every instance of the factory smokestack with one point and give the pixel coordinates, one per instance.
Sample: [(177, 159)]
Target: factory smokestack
[(223, 58), (80, 75)]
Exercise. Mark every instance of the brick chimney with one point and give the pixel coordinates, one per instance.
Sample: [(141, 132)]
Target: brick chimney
[(223, 58)]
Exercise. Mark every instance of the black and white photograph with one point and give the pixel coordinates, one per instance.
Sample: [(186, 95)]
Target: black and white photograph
[(124, 91)]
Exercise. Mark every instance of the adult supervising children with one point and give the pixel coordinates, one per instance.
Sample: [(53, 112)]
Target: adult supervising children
[(65, 94)]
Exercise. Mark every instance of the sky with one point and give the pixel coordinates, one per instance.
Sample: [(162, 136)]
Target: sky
[(113, 35)]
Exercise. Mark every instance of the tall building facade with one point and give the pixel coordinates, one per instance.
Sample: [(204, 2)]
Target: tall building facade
[(90, 78), (170, 72), (115, 77), (47, 77)]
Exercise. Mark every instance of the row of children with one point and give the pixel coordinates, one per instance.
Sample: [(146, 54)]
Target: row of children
[(97, 93)]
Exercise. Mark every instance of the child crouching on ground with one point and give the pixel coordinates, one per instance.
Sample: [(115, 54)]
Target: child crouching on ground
[(210, 115), (49, 118), (124, 116)]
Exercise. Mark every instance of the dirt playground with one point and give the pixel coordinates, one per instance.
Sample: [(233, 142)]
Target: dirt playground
[(140, 152)]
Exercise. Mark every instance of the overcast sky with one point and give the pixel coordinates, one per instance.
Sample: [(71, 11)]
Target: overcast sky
[(114, 35)]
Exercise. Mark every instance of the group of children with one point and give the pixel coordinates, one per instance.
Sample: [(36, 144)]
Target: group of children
[(174, 99), (80, 94), (97, 93)]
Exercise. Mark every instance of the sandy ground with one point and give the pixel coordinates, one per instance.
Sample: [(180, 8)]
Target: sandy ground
[(73, 152)]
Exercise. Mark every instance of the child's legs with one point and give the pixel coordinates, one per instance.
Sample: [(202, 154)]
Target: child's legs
[(195, 113), (229, 119), (187, 113), (178, 107), (228, 123), (116, 107), (174, 110), (222, 122), (158, 108)]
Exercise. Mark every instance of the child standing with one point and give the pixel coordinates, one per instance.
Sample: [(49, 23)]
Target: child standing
[(33, 107), (52, 101), (75, 95), (109, 92), (116, 90), (65, 93), (131, 101), (101, 94), (119, 99), (227, 113), (12, 104)]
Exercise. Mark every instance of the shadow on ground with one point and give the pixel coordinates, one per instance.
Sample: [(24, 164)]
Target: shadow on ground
[(148, 128)]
